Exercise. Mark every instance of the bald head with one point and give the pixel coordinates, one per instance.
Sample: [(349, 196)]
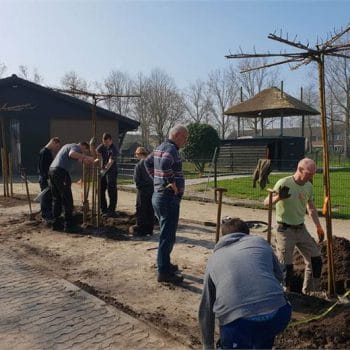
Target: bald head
[(307, 163), (305, 171)]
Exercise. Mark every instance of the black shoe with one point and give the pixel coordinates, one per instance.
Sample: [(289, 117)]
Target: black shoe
[(57, 226), (170, 278), (48, 222), (73, 229), (173, 268), (112, 214)]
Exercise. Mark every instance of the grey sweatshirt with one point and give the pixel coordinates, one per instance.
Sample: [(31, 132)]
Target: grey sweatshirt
[(241, 280)]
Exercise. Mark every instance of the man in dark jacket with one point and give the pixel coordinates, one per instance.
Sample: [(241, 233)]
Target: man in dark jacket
[(46, 156), (144, 184), (109, 153), (242, 290)]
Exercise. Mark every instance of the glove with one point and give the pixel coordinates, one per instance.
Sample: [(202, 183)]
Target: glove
[(283, 192), (320, 234)]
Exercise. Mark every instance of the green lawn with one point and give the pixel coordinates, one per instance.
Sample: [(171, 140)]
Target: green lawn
[(242, 189)]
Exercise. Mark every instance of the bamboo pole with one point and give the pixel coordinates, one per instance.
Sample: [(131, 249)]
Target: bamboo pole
[(93, 195), (7, 173), (85, 194), (98, 195), (3, 171), (10, 174), (4, 167), (3, 153), (326, 179)]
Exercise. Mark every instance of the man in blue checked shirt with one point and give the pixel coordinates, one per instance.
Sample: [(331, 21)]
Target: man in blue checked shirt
[(165, 166)]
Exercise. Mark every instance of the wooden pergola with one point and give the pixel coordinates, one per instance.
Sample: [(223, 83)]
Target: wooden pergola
[(271, 103)]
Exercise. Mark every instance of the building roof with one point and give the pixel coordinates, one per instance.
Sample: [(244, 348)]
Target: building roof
[(270, 103), (47, 102)]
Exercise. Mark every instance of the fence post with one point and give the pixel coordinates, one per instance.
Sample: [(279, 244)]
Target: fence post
[(269, 218), (215, 159), (218, 219)]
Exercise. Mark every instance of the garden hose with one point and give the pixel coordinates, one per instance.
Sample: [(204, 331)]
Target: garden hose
[(324, 313)]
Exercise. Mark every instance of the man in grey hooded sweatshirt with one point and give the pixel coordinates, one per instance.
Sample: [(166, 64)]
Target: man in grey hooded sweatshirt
[(242, 290)]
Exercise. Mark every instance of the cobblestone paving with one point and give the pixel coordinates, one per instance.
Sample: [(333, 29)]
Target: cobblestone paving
[(43, 312)]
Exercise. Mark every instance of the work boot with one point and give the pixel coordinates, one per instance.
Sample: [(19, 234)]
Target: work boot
[(111, 214), (312, 286), (57, 225), (170, 278), (173, 268), (72, 229)]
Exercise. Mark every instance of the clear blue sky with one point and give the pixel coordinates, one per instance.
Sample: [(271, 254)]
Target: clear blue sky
[(187, 39)]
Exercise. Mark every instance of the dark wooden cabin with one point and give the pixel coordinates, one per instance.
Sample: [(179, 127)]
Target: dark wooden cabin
[(51, 113)]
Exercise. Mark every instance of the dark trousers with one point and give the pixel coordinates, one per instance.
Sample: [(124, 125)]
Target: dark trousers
[(166, 207), (144, 212), (109, 184), (46, 200), (61, 183), (251, 334)]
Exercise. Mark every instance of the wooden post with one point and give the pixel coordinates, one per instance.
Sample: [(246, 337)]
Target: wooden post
[(85, 194), (218, 218), (10, 174), (98, 195), (269, 218), (326, 179), (93, 195), (24, 177), (94, 121), (303, 116), (3, 171)]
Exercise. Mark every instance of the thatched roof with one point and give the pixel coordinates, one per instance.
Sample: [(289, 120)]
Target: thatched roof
[(271, 103)]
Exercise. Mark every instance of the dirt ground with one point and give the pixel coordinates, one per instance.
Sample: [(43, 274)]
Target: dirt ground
[(120, 269)]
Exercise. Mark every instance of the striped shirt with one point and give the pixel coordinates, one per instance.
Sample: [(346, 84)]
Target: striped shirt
[(165, 166)]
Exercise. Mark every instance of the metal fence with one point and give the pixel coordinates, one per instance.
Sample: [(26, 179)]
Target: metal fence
[(231, 174)]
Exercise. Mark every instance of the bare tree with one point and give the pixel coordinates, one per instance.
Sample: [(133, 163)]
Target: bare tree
[(164, 104), (197, 102), (3, 69), (253, 82), (140, 111), (71, 81), (311, 98), (224, 91), (120, 83), (338, 83), (26, 73)]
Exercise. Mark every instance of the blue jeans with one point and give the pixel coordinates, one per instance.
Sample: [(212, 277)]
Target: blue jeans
[(166, 207), (250, 334)]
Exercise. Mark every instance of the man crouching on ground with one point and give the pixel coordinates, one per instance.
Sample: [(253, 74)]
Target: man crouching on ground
[(242, 290)]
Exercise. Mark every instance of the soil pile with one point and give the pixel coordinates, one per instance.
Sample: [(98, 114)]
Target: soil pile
[(333, 330), (330, 332), (341, 254)]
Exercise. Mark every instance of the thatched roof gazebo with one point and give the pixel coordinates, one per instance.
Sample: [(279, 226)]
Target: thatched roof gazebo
[(271, 103)]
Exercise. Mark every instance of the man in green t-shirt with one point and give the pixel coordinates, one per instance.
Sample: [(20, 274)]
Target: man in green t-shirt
[(293, 197)]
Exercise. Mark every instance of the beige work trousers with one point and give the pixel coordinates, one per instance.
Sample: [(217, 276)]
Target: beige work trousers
[(288, 238)]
